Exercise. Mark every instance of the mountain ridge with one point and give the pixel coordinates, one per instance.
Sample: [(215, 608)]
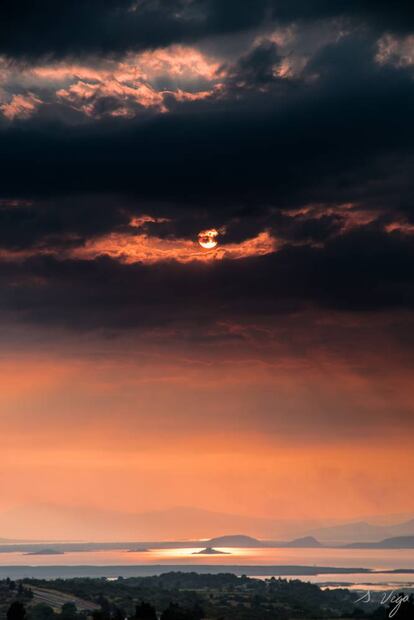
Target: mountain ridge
[(79, 523), (396, 542), (362, 532)]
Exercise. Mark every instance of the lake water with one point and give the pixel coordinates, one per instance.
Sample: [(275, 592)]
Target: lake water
[(378, 560)]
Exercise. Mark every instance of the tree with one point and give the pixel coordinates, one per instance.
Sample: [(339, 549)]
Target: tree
[(105, 604), (145, 611), (100, 614), (118, 613), (41, 611), (16, 611), (197, 612), (175, 612), (69, 611)]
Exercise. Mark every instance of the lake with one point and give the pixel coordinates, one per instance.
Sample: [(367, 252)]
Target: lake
[(155, 561)]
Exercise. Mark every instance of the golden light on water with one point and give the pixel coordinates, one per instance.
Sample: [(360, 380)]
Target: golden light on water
[(192, 555), (208, 238)]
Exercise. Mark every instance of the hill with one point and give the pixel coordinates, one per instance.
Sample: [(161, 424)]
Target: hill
[(398, 542), (235, 540), (362, 532), (306, 541), (240, 540)]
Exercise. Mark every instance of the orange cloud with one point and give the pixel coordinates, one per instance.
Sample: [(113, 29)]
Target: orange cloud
[(177, 61), (134, 248), (398, 51), (133, 81), (142, 248), (20, 106), (350, 215), (402, 226), (83, 95)]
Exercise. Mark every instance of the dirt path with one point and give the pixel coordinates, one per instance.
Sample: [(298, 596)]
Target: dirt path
[(56, 599)]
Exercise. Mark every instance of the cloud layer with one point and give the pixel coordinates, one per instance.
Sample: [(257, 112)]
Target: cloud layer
[(126, 128)]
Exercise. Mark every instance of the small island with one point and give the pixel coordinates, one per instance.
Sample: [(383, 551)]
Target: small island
[(138, 550), (210, 551), (45, 552)]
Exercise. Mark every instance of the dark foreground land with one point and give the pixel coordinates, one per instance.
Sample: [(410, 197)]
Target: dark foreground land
[(187, 596)]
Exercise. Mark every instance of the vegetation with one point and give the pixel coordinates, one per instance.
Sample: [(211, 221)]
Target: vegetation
[(187, 596)]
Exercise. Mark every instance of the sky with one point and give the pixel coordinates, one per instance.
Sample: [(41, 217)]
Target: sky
[(269, 376)]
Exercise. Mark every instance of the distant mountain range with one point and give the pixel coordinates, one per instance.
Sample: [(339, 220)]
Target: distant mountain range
[(398, 542), (220, 542), (361, 532), (49, 523), (241, 540), (86, 523)]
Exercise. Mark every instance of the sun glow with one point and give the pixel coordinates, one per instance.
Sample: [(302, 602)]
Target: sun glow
[(208, 239)]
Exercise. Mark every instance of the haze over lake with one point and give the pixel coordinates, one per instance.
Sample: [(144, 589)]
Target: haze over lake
[(139, 562), (344, 558)]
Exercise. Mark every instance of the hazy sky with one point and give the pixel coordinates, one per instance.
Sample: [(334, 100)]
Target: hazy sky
[(270, 376)]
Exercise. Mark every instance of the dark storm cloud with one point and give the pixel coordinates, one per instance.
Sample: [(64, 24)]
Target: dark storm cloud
[(70, 221), (306, 229), (343, 136), (361, 271), (245, 160), (384, 15), (34, 28), (257, 68), (238, 225)]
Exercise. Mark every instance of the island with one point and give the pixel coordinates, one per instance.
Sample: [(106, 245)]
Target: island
[(210, 551), (397, 542), (138, 550), (45, 552), (235, 540)]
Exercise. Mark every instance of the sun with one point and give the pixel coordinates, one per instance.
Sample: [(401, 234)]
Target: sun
[(208, 238)]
